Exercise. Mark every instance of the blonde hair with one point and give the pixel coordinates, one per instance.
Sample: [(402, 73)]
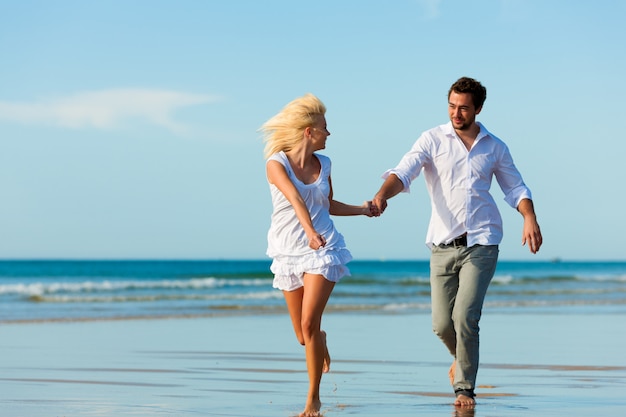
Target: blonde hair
[(285, 130)]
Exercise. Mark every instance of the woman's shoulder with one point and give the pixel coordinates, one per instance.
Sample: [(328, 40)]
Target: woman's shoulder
[(324, 160), (279, 157)]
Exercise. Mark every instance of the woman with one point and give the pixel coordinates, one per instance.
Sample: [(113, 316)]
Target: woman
[(309, 254)]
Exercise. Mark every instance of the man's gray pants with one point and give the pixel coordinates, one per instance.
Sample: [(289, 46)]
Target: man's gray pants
[(459, 278)]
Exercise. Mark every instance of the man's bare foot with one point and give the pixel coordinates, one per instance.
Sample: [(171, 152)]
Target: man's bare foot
[(464, 401), (312, 409), (451, 372), (326, 366), (464, 412)]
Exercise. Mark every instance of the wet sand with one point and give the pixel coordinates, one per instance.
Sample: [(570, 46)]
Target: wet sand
[(383, 365)]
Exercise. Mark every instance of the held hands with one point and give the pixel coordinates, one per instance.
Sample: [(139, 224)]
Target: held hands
[(379, 205), (370, 210), (375, 207)]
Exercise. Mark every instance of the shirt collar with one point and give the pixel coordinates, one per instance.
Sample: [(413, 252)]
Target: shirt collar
[(448, 130), (483, 132)]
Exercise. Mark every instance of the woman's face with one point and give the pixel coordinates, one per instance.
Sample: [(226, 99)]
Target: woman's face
[(319, 133)]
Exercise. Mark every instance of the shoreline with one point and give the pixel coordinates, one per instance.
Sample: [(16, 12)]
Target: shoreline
[(383, 364), (564, 309)]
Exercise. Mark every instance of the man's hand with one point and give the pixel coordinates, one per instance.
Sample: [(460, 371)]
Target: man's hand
[(531, 233)]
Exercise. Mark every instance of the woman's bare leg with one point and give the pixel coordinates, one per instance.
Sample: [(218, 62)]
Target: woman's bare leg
[(317, 290), (326, 367), (294, 305), (306, 305)]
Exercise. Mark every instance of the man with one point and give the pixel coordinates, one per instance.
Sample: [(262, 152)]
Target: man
[(459, 160)]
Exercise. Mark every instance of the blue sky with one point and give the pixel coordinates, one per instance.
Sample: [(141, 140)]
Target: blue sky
[(129, 128)]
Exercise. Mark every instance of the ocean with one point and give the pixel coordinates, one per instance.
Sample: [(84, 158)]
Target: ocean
[(35, 291)]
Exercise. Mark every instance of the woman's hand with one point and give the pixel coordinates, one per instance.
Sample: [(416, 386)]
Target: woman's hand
[(316, 241)]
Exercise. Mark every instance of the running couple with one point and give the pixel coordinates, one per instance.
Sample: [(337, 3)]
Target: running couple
[(309, 256)]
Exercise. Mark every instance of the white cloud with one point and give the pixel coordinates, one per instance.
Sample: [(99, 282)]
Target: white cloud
[(105, 109), (431, 8)]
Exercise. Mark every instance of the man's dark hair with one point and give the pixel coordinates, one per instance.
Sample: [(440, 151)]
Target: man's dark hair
[(471, 86)]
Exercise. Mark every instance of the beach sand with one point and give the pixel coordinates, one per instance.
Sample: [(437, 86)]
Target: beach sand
[(383, 365)]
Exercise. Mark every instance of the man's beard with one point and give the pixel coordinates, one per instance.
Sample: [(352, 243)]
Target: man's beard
[(465, 125)]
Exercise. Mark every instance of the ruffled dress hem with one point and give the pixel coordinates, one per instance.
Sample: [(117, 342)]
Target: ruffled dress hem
[(289, 270)]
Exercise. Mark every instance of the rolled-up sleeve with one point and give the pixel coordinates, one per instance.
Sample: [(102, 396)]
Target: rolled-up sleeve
[(510, 180), (410, 165)]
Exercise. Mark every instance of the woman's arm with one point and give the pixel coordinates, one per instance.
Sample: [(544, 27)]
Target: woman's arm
[(277, 175), (337, 208)]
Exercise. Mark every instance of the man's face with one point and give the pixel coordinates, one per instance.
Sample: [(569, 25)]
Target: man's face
[(461, 110)]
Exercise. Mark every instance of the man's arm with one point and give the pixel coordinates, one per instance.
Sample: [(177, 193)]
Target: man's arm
[(391, 187), (531, 232)]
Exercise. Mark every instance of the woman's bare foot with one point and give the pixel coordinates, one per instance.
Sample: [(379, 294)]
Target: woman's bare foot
[(451, 372), (326, 367), (312, 409), (464, 401)]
